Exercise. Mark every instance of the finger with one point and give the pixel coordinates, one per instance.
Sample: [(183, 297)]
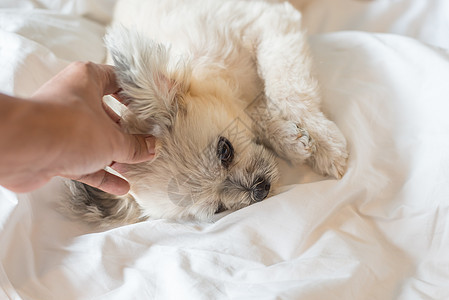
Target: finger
[(136, 148), (119, 167), (105, 181), (109, 79)]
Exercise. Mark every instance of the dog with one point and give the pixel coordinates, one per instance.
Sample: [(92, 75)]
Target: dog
[(225, 87)]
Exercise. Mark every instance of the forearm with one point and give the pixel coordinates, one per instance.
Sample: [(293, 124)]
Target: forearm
[(28, 139)]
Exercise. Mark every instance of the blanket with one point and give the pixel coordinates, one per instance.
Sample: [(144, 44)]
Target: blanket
[(381, 232)]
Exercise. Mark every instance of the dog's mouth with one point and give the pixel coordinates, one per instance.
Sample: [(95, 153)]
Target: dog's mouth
[(259, 191), (221, 208)]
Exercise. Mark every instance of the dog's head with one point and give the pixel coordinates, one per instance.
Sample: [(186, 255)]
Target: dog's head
[(207, 157)]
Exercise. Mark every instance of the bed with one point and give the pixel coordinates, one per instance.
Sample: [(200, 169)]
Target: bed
[(381, 232)]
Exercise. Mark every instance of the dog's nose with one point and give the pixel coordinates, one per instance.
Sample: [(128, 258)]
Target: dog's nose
[(260, 189)]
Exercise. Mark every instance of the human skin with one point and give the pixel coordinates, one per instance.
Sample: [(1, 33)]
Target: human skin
[(66, 130)]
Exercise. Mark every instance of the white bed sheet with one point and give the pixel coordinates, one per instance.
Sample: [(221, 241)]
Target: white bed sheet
[(381, 232)]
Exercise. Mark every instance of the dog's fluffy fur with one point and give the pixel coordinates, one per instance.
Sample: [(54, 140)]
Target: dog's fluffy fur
[(223, 85)]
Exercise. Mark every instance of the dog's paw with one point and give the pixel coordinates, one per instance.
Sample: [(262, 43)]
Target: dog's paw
[(302, 135), (331, 155), (290, 140), (330, 162), (318, 142)]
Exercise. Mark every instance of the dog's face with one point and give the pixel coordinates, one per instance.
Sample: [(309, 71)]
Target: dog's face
[(207, 161), (207, 158)]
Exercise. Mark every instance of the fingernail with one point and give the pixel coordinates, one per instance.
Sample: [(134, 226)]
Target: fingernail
[(151, 144)]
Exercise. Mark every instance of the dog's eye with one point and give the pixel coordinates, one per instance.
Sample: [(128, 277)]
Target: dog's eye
[(225, 151)]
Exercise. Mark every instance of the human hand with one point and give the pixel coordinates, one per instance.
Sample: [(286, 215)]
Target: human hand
[(74, 135)]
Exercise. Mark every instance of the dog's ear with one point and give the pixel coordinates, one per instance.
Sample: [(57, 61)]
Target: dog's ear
[(152, 82)]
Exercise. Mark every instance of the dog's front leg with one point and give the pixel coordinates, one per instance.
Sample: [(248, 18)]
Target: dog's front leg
[(294, 125)]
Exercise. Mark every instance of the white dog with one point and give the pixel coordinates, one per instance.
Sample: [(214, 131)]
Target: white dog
[(223, 85)]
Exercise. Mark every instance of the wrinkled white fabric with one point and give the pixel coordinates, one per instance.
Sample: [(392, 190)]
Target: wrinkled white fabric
[(427, 21), (36, 44), (381, 232)]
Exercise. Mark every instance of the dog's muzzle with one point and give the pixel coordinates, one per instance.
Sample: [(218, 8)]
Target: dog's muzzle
[(260, 189)]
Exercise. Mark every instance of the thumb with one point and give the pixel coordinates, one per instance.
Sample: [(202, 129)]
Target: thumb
[(137, 148), (104, 181)]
